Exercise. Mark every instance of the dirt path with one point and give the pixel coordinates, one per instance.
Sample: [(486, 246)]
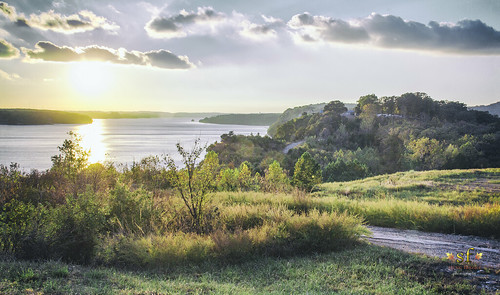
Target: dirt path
[(438, 245), (292, 145)]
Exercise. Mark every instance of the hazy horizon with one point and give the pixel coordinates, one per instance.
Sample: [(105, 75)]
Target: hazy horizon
[(239, 57), (192, 112)]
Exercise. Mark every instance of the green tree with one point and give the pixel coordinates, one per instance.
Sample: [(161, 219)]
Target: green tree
[(276, 179), (366, 100), (427, 153), (336, 107), (244, 177), (194, 182), (228, 179), (342, 170), (71, 160), (307, 172)]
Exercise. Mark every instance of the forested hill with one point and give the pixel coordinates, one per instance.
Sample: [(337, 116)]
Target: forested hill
[(388, 134), (139, 115), (296, 112), (41, 117), (493, 108), (261, 119)]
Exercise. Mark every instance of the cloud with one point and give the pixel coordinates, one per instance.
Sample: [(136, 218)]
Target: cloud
[(83, 21), (261, 32), (388, 31), (47, 51), (7, 10), (7, 76), (207, 21), (7, 50), (184, 23), (320, 28)]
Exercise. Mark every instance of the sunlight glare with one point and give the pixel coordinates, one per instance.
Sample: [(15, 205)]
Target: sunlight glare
[(90, 78), (93, 140)]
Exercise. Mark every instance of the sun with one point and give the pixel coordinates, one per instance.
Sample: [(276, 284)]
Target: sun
[(90, 78)]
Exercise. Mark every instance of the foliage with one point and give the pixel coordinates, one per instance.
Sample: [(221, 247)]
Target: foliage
[(335, 106), (243, 119), (143, 222), (193, 183), (341, 170), (307, 172), (71, 160), (148, 172), (410, 131), (255, 150), (276, 179), (293, 113), (427, 154)]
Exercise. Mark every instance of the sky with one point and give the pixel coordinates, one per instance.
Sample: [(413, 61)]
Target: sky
[(244, 56)]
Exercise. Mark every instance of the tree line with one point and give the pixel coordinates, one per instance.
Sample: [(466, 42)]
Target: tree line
[(385, 135)]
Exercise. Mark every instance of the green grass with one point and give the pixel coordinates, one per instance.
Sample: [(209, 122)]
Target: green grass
[(362, 270), (455, 187), (279, 232), (448, 201)]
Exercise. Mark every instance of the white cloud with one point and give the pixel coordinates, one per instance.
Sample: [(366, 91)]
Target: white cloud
[(207, 21), (83, 21), (261, 32), (47, 51)]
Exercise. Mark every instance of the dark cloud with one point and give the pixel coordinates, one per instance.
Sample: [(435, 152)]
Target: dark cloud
[(21, 22), (76, 23), (163, 25), (388, 31), (264, 31), (317, 28), (47, 51), (177, 25), (7, 50), (207, 21), (50, 52), (83, 21), (168, 60)]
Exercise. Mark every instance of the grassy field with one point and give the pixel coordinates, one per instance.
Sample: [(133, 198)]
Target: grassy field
[(256, 243), (447, 201), (442, 187), (362, 270)]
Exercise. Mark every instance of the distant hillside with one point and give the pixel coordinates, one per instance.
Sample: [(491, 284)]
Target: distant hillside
[(138, 115), (120, 115), (40, 117), (493, 108), (243, 119), (296, 112)]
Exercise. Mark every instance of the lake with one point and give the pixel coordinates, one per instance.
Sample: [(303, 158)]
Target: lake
[(121, 141)]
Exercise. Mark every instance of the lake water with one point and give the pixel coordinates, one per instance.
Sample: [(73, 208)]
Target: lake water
[(116, 140)]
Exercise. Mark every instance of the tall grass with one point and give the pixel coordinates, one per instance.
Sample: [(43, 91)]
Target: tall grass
[(471, 219), (281, 232)]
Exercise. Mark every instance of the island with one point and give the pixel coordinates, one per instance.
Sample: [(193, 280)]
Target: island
[(258, 119)]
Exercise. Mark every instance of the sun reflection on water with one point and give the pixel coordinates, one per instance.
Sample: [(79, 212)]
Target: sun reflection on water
[(93, 140)]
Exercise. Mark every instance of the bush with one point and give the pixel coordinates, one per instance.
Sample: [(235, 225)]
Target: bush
[(132, 212), (280, 233), (341, 170), (76, 228), (275, 179), (22, 229), (307, 172)]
